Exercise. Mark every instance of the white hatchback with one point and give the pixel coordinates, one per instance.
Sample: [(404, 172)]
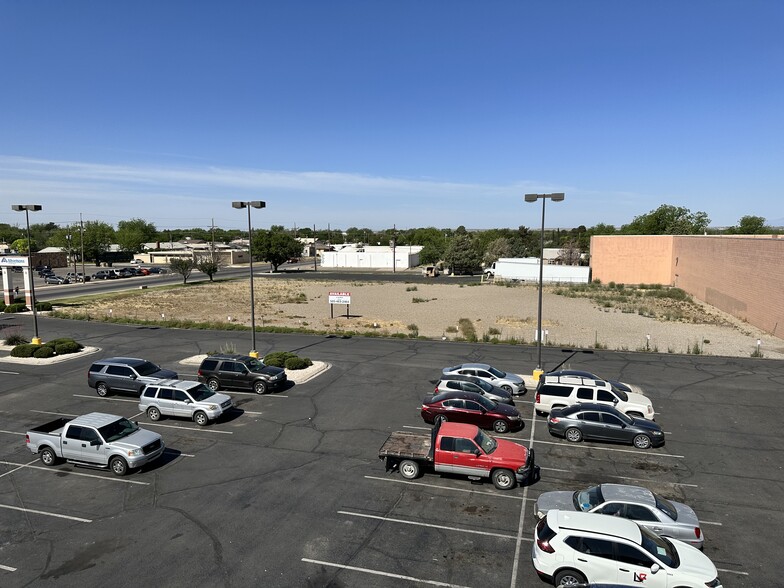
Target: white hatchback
[(571, 548)]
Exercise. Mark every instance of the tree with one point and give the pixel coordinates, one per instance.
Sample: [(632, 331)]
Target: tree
[(461, 255), (98, 236), (570, 253), (752, 225), (208, 265), (133, 233), (182, 266), (668, 220), (500, 247), (21, 246), (275, 247)]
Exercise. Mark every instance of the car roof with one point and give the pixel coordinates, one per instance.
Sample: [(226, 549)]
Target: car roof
[(458, 378), (179, 384), (456, 394), (458, 429), (626, 493), (595, 406), (480, 366), (95, 419), (574, 381), (587, 522), (234, 356), (131, 361)]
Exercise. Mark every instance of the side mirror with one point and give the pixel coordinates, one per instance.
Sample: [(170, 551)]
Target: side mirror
[(133, 376), (477, 453), (95, 443), (655, 568), (615, 401)]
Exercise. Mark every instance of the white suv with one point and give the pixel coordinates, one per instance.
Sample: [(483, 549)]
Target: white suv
[(561, 391), (578, 547)]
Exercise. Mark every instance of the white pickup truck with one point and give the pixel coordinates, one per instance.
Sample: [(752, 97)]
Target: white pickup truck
[(96, 440)]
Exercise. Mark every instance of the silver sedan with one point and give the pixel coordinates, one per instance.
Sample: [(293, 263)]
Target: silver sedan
[(664, 517), (512, 383)]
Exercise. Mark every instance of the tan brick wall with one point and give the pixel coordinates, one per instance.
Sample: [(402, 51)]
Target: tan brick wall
[(741, 275)]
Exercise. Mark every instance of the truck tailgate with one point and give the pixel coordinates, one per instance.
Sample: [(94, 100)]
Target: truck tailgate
[(407, 445)]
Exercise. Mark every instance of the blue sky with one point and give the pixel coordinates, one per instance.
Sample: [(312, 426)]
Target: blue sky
[(408, 112)]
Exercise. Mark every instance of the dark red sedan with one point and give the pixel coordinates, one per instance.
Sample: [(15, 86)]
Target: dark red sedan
[(472, 408)]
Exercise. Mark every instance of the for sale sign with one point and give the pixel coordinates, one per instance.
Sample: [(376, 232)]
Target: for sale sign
[(340, 297)]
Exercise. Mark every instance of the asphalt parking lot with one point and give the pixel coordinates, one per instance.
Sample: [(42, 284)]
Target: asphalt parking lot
[(288, 489)]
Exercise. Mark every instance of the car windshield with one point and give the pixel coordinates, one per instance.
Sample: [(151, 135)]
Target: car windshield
[(254, 364), (660, 548), (483, 385), (486, 403), (666, 507), (486, 442), (496, 373), (620, 393), (585, 500), (147, 368), (200, 393), (117, 430)]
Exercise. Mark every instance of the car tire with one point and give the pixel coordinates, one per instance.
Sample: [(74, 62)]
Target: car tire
[(500, 426), (154, 414), (47, 456), (102, 389), (504, 479), (440, 420), (569, 578), (201, 418), (118, 466), (642, 442), (409, 469), (213, 384), (574, 435), (260, 387), (507, 387)]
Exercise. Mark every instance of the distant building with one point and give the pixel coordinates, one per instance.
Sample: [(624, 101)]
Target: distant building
[(372, 257)]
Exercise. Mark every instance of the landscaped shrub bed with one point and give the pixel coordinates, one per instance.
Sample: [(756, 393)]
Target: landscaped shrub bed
[(61, 346), (288, 360)]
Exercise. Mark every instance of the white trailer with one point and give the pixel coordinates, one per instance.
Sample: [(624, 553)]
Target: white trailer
[(526, 269)]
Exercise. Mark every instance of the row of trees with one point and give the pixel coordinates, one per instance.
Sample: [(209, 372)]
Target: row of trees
[(456, 248)]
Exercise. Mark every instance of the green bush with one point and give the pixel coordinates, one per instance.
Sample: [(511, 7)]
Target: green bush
[(43, 351), (24, 350), (41, 306), (297, 363), (278, 358), (2, 305), (15, 307), (67, 347), (15, 339)]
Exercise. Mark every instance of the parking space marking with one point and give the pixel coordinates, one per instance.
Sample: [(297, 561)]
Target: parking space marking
[(261, 395), (468, 490), (636, 452), (47, 514), (516, 563), (201, 430), (10, 373), (7, 568), (106, 399), (380, 573), (168, 450), (628, 478), (430, 525), (12, 432), (18, 468), (54, 413), (57, 471), (724, 571)]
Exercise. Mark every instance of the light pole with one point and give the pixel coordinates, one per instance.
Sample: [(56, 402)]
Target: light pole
[(27, 208), (251, 204), (555, 197)]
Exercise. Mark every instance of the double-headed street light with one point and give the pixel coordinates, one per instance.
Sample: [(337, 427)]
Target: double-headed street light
[(556, 197), (27, 208), (251, 204)]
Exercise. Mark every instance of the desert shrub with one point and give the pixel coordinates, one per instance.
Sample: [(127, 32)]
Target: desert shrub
[(493, 331), (2, 305), (15, 307), (43, 351), (467, 329), (451, 329), (297, 363), (15, 339), (24, 350), (278, 358), (67, 347), (411, 289), (40, 306)]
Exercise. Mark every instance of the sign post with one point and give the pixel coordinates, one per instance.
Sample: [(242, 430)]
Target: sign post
[(339, 298)]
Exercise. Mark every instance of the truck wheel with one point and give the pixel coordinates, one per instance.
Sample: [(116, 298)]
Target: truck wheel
[(569, 578), (440, 420), (213, 384), (573, 435), (201, 419), (500, 426), (260, 387), (119, 466), (102, 389), (48, 457), (154, 413), (409, 469), (642, 442), (504, 479)]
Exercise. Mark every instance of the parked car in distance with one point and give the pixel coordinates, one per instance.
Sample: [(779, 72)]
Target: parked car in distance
[(471, 408), (449, 383), (74, 277), (578, 547), (125, 374), (664, 517), (45, 272), (583, 374), (599, 422), (105, 275), (53, 279), (136, 262), (560, 391), (142, 271), (240, 371), (181, 398), (512, 383), (159, 270)]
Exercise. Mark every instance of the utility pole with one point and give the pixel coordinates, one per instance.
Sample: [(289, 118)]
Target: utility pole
[(81, 236)]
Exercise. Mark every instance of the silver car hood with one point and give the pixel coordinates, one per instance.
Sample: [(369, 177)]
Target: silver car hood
[(215, 399), (136, 440), (686, 514), (559, 499)]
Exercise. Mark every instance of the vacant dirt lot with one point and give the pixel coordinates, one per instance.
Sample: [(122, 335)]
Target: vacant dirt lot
[(443, 309)]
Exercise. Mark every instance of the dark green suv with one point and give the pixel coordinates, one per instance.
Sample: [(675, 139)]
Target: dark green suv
[(240, 371)]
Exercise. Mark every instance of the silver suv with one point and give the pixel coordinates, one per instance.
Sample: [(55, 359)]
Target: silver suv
[(179, 398), (125, 374), (451, 383)]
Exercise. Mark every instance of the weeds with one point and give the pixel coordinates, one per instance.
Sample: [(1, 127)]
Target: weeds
[(467, 329)]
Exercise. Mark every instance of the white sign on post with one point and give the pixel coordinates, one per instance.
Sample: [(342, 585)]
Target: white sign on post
[(340, 297)]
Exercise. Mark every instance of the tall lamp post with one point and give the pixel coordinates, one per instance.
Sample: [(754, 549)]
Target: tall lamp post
[(27, 208), (251, 204), (555, 197)]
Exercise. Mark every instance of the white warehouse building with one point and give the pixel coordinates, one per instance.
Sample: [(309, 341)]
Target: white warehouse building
[(376, 257)]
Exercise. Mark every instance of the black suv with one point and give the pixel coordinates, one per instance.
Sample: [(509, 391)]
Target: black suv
[(240, 371)]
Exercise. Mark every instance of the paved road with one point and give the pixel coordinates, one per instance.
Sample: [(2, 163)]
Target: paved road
[(289, 491)]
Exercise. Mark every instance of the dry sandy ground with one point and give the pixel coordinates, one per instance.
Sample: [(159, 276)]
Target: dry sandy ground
[(434, 310)]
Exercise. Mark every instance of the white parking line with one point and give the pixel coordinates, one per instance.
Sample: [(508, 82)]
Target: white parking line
[(202, 430), (516, 563), (18, 468), (635, 451), (54, 413), (94, 397), (12, 432), (47, 514), (7, 568), (468, 490), (261, 395), (57, 471), (443, 527), (10, 373), (380, 573), (627, 478), (723, 571)]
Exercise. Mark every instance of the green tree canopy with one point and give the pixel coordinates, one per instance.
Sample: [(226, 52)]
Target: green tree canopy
[(752, 225), (461, 255), (131, 234), (668, 220), (275, 247), (98, 236), (182, 266)]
